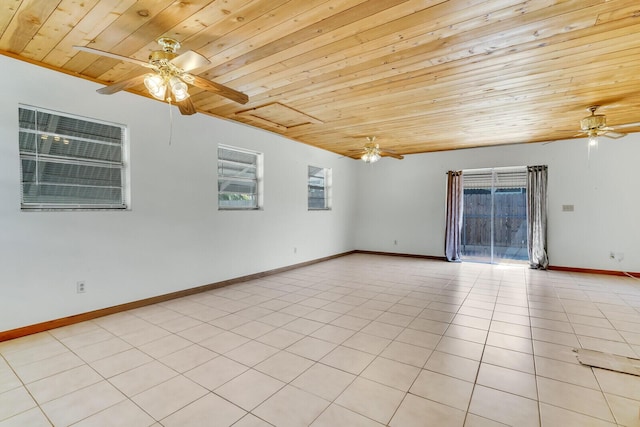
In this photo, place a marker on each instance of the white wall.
(404, 200)
(173, 237)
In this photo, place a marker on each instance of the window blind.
(238, 179)
(317, 186)
(70, 162)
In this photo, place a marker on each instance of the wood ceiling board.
(24, 23)
(422, 75)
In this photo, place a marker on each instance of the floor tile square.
(504, 407)
(455, 366)
(251, 353)
(443, 389)
(103, 349)
(624, 410)
(419, 338)
(224, 342)
(165, 346)
(251, 420)
(324, 381)
(32, 418)
(249, 389)
(209, 410)
(284, 366)
(418, 412)
(389, 372)
(510, 342)
(334, 334)
(348, 359)
(15, 401)
(253, 329)
(574, 398)
(214, 373)
(508, 359)
(120, 414)
(169, 396)
(188, 358)
(406, 353)
(200, 332)
(618, 383)
(291, 407)
(43, 368)
(508, 380)
(311, 348)
(142, 378)
(396, 319)
(551, 416)
(463, 348)
(351, 322)
(280, 338)
(373, 400)
(65, 382)
(82, 403)
(336, 415)
(367, 343)
(121, 362)
(568, 372)
(303, 326)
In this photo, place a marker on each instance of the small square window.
(319, 185)
(239, 178)
(70, 162)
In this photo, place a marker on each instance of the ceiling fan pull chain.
(170, 121)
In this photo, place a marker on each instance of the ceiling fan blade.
(385, 153)
(221, 90)
(186, 107)
(113, 55)
(614, 135)
(190, 61)
(627, 125)
(121, 85)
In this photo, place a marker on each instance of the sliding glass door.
(494, 217)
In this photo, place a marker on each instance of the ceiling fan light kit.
(169, 80)
(371, 151)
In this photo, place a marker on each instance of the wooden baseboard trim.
(82, 317)
(431, 257)
(594, 271)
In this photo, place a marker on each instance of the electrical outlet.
(395, 242)
(80, 287)
(295, 250)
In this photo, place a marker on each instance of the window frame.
(122, 164)
(258, 178)
(327, 188)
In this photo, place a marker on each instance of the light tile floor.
(362, 340)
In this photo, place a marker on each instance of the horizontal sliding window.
(70, 162)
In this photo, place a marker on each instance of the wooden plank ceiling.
(420, 75)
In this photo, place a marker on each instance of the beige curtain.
(537, 216)
(453, 228)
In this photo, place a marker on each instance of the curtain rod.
(498, 169)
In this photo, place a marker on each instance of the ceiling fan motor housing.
(161, 55)
(596, 121)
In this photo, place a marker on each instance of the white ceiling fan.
(169, 77)
(371, 152)
(595, 125)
